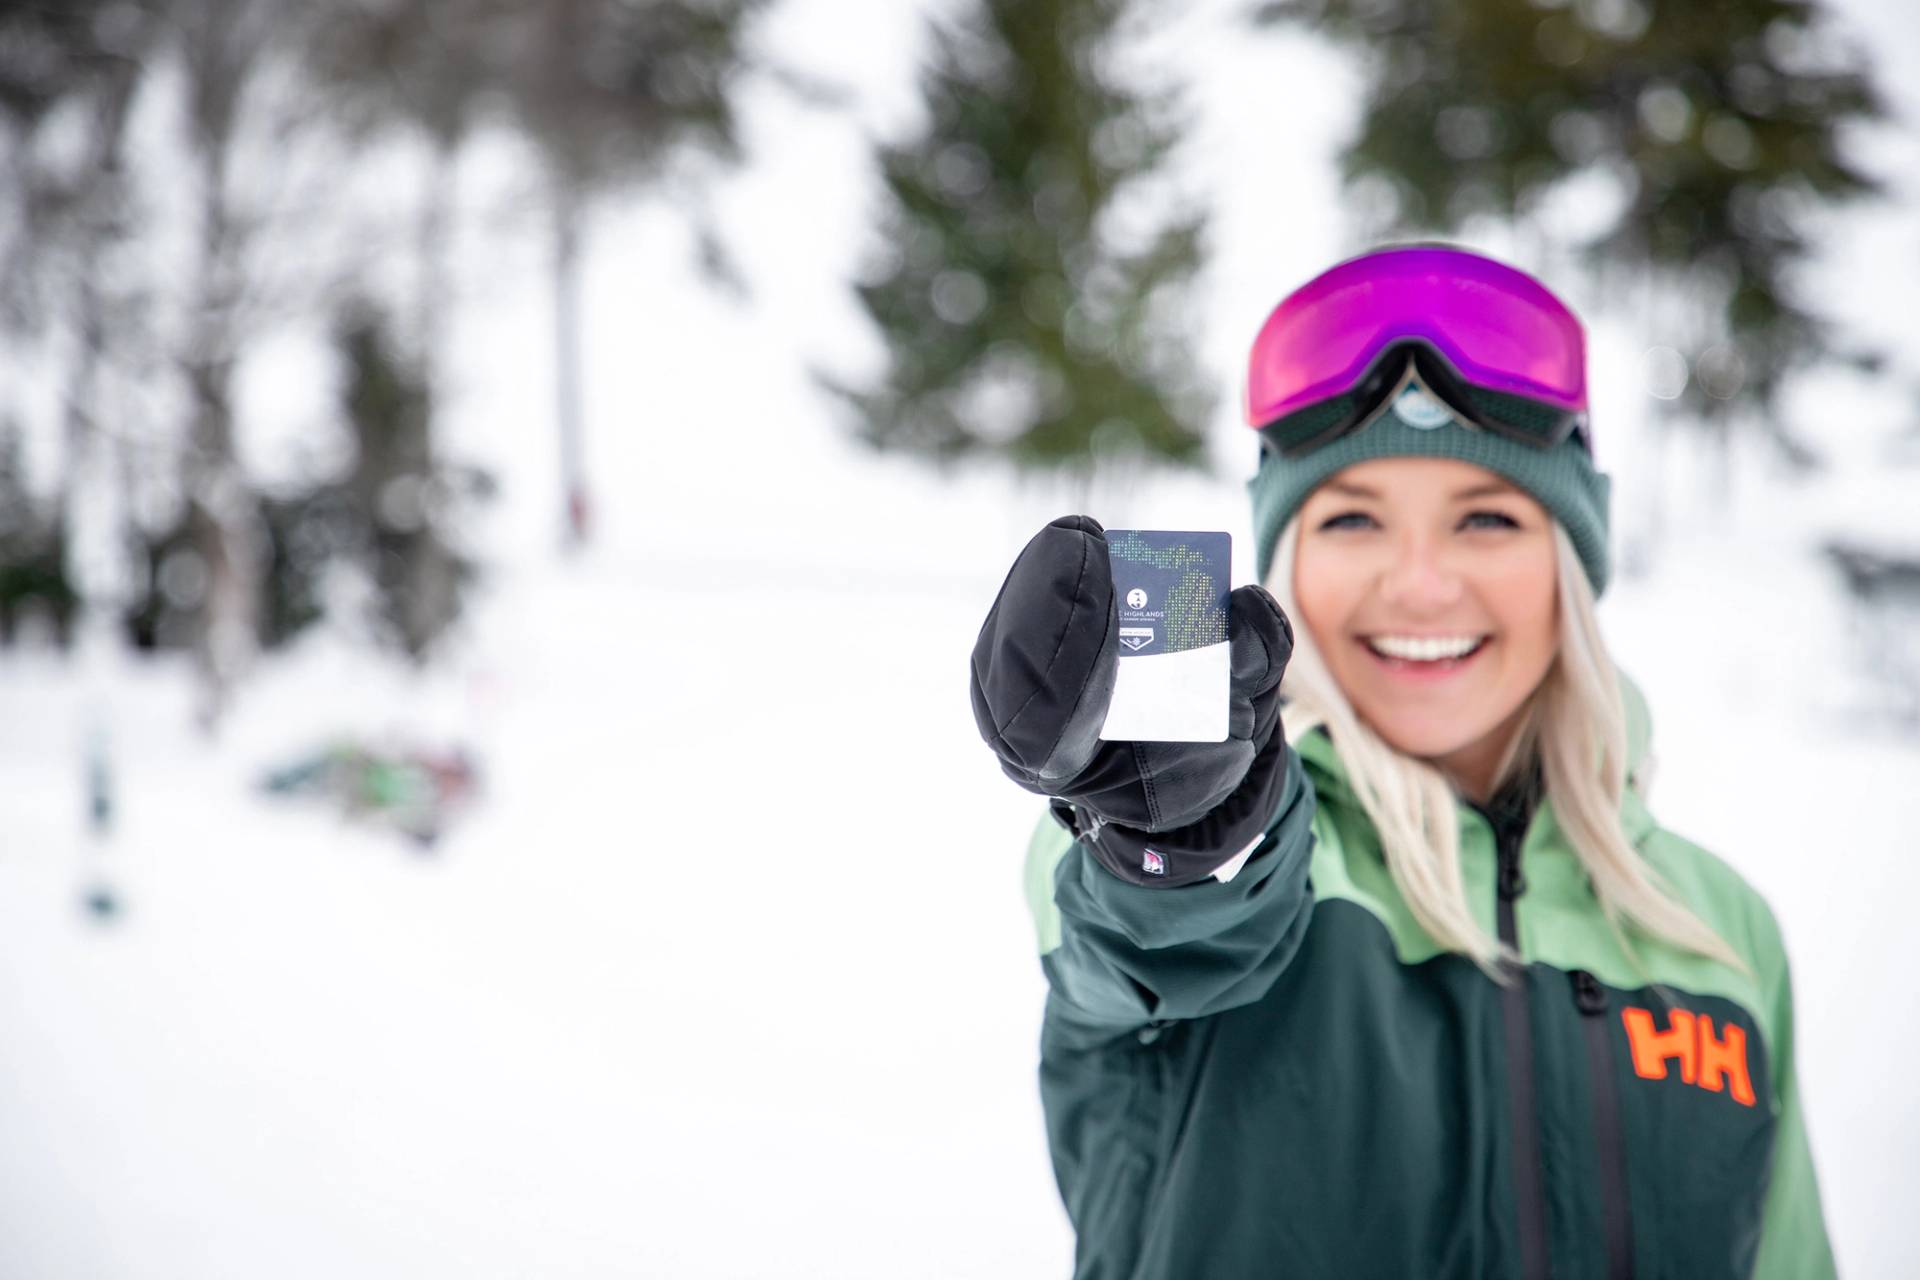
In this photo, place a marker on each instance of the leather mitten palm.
(1159, 813)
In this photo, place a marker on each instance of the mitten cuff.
(1189, 854)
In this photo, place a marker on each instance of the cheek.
(1529, 610)
(1326, 595)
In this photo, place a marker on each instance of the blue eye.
(1342, 520)
(1494, 519)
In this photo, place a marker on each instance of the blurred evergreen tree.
(161, 610)
(391, 515)
(618, 94)
(1031, 279)
(33, 553)
(49, 51)
(402, 497)
(431, 68)
(1721, 124)
(68, 76)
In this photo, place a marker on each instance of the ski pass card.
(1170, 590)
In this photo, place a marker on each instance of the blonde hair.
(1574, 723)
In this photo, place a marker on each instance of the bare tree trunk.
(430, 250)
(1659, 485)
(82, 481)
(222, 522)
(566, 369)
(1719, 435)
(80, 434)
(219, 501)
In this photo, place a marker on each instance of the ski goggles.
(1491, 341)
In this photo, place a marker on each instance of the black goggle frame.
(1531, 422)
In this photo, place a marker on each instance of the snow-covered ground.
(728, 974)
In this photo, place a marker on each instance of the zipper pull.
(1512, 882)
(1588, 995)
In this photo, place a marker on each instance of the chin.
(1426, 739)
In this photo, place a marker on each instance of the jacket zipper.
(1529, 1193)
(1591, 999)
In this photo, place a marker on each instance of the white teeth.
(1424, 648)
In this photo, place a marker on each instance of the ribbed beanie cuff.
(1563, 479)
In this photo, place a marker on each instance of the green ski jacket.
(1283, 1075)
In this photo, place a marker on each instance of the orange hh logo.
(1708, 1062)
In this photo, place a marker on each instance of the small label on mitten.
(1170, 594)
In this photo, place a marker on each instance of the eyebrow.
(1488, 490)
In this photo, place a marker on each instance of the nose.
(1419, 581)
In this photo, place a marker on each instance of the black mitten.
(1159, 813)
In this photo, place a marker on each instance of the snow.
(728, 974)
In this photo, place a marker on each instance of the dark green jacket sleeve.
(1119, 956)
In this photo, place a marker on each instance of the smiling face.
(1429, 585)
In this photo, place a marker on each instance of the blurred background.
(495, 500)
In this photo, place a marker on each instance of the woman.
(1417, 986)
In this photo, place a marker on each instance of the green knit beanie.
(1562, 479)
